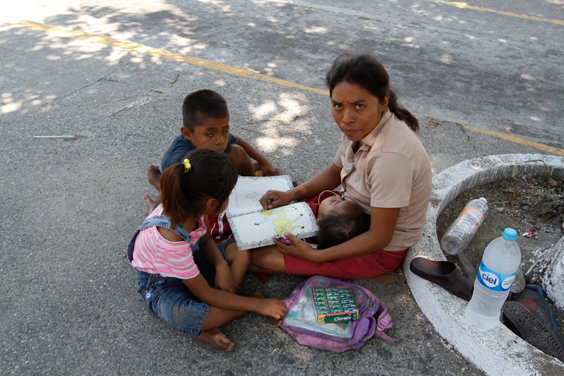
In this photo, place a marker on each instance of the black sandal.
(523, 323)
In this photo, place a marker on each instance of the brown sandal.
(444, 274)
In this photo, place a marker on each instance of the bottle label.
(474, 213)
(493, 280)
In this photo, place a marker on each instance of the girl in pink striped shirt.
(183, 276)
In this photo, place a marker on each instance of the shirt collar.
(198, 232)
(371, 137)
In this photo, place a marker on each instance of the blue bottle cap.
(509, 234)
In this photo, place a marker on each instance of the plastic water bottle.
(460, 233)
(496, 274)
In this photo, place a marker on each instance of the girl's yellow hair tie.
(187, 165)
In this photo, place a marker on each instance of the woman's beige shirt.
(390, 170)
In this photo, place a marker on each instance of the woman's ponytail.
(401, 113)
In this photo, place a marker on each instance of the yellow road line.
(146, 50)
(100, 39)
(466, 6)
(518, 140)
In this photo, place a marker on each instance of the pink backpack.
(301, 323)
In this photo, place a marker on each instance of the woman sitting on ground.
(381, 165)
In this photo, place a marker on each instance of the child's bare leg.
(238, 261)
(217, 339)
(242, 160)
(151, 205)
(210, 332)
(267, 260)
(154, 176)
(219, 316)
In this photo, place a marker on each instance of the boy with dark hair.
(205, 125)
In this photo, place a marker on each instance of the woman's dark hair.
(337, 228)
(367, 72)
(212, 174)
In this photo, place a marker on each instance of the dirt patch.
(533, 206)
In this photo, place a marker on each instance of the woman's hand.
(299, 248)
(330, 178)
(275, 199)
(224, 279)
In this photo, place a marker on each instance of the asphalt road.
(114, 75)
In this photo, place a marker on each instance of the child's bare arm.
(224, 279)
(274, 308)
(210, 251)
(266, 167)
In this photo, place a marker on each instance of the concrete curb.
(498, 351)
(553, 282)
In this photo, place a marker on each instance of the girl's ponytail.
(175, 204)
(185, 187)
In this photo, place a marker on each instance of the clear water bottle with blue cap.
(500, 262)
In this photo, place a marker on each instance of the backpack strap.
(384, 322)
(160, 221)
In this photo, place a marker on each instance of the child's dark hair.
(367, 72)
(211, 174)
(337, 228)
(201, 105)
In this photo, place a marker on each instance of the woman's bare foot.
(151, 205)
(217, 339)
(154, 176)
